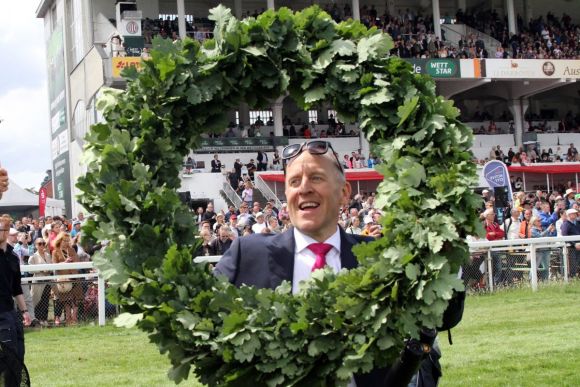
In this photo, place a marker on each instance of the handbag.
(63, 285)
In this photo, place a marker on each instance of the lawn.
(509, 338)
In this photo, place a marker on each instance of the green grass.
(509, 338)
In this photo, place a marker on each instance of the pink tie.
(320, 249)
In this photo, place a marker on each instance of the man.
(570, 198)
(222, 243)
(262, 159)
(315, 190)
(493, 233)
(238, 168)
(546, 217)
(4, 182)
(511, 226)
(216, 164)
(572, 227)
(260, 223)
(11, 334)
(76, 228)
(209, 214)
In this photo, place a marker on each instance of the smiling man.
(316, 188)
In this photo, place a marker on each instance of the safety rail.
(502, 260)
(232, 195)
(266, 190)
(92, 275)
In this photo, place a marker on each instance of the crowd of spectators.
(47, 240)
(546, 37)
(532, 155)
(534, 215)
(218, 228)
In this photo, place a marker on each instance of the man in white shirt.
(512, 225)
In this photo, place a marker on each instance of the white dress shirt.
(304, 259)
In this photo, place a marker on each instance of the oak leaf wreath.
(341, 324)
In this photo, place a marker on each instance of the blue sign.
(496, 174)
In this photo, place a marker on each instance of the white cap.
(485, 191)
(571, 211)
(569, 191)
(13, 231)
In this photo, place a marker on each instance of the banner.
(58, 117)
(496, 174)
(437, 68)
(42, 201)
(239, 144)
(120, 62)
(531, 68)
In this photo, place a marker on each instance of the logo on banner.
(548, 68)
(42, 201)
(132, 27)
(496, 174)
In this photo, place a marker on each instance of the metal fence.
(57, 299)
(504, 263)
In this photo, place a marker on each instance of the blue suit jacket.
(265, 260)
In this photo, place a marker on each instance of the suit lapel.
(281, 258)
(347, 258)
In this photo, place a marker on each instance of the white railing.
(530, 246)
(266, 191)
(232, 195)
(56, 267)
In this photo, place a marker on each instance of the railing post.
(565, 261)
(489, 270)
(101, 299)
(534, 267)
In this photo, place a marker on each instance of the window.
(313, 116)
(77, 49)
(333, 112)
(265, 116)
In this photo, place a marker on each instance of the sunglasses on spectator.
(314, 147)
(41, 243)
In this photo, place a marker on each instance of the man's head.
(210, 207)
(260, 217)
(489, 215)
(545, 207)
(315, 190)
(572, 214)
(224, 233)
(206, 225)
(81, 216)
(515, 213)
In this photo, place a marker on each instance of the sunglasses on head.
(314, 147)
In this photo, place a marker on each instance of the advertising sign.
(531, 68)
(42, 201)
(120, 62)
(238, 144)
(496, 174)
(437, 68)
(59, 119)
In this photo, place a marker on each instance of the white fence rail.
(93, 275)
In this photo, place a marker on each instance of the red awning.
(358, 175)
(547, 168)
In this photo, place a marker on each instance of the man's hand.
(375, 231)
(26, 317)
(3, 181)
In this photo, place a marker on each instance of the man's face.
(4, 230)
(545, 207)
(224, 235)
(256, 207)
(572, 217)
(315, 192)
(210, 207)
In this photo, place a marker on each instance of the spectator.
(67, 294)
(260, 223)
(41, 288)
(262, 159)
(571, 227)
(354, 226)
(210, 214)
(542, 254)
(248, 193)
(216, 164)
(222, 243)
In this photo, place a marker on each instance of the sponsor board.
(531, 68)
(121, 62)
(437, 68)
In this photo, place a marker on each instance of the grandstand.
(510, 66)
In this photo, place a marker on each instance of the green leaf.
(405, 111)
(314, 95)
(128, 320)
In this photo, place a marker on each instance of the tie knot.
(320, 249)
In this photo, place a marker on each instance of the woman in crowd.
(248, 193)
(354, 227)
(68, 296)
(40, 288)
(273, 225)
(204, 249)
(542, 254)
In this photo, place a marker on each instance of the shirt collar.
(302, 240)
